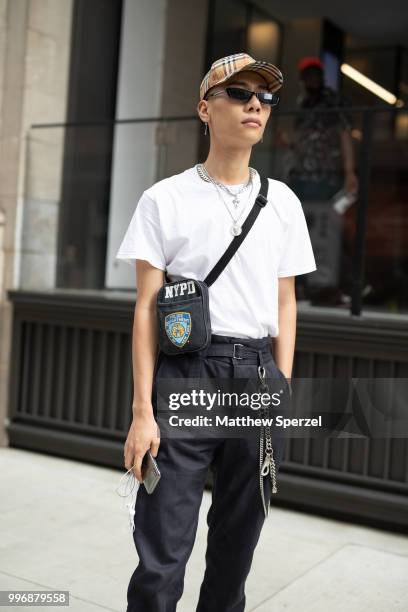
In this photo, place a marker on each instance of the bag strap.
(260, 202)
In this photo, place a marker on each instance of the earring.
(205, 130)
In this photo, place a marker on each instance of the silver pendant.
(236, 229)
(235, 202)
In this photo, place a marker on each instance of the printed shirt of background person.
(317, 146)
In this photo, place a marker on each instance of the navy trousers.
(166, 520)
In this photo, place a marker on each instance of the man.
(323, 148)
(323, 166)
(183, 224)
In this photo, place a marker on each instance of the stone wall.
(34, 64)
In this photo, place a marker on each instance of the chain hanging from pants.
(266, 458)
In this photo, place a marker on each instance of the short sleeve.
(297, 255)
(143, 239)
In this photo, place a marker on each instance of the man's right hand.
(143, 435)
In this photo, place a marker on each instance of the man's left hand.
(351, 183)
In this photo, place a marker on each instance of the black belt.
(237, 350)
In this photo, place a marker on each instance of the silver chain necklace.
(203, 172)
(236, 228)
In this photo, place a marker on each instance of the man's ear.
(202, 110)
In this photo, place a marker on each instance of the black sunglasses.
(244, 95)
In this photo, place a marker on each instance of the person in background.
(323, 165)
(323, 148)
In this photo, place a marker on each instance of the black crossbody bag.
(182, 306)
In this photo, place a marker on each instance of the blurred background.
(97, 102)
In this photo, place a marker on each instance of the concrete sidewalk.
(64, 527)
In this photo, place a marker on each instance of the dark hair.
(311, 70)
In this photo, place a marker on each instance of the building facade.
(97, 102)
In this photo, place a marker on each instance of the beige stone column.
(34, 68)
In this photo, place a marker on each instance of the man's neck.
(228, 167)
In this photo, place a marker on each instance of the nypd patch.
(178, 327)
(179, 289)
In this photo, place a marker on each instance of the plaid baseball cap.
(222, 69)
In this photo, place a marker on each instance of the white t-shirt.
(180, 224)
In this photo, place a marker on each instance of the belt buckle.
(234, 356)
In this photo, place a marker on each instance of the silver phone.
(150, 472)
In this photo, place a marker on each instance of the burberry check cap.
(222, 69)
